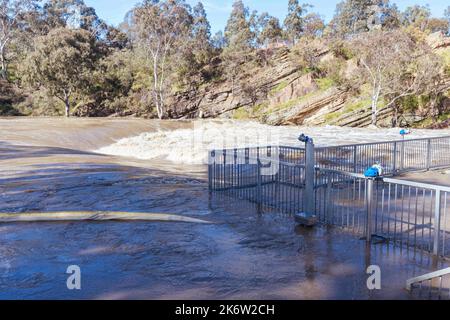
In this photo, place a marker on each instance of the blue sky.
(218, 11)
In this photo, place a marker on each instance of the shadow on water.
(51, 179)
(9, 151)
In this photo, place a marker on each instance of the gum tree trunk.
(67, 109)
(375, 98)
(66, 104)
(3, 66)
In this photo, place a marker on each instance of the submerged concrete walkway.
(439, 177)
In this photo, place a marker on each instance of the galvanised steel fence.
(431, 285)
(411, 213)
(276, 177)
(394, 156)
(257, 175)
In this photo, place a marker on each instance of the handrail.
(255, 147)
(426, 277)
(391, 180)
(418, 184)
(360, 195)
(383, 142)
(280, 162)
(346, 173)
(336, 146)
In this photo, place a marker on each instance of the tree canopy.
(61, 63)
(61, 53)
(294, 23)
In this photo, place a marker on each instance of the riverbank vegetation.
(58, 57)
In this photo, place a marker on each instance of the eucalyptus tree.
(357, 16)
(238, 31)
(62, 63)
(417, 16)
(314, 25)
(160, 28)
(294, 23)
(447, 17)
(201, 34)
(72, 14)
(395, 67)
(240, 41)
(11, 16)
(270, 30)
(218, 41)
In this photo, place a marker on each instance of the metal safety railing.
(433, 281)
(411, 213)
(415, 214)
(394, 156)
(257, 175)
(316, 181)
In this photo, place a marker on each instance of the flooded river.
(52, 164)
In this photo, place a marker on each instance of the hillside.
(280, 90)
(283, 92)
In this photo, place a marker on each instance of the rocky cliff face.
(282, 92)
(220, 99)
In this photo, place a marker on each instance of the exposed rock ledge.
(289, 96)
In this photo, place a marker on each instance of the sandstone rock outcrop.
(284, 94)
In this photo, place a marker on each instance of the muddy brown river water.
(47, 165)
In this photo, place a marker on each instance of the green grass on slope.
(349, 108)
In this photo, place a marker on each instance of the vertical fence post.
(210, 157)
(394, 165)
(355, 153)
(308, 195)
(370, 195)
(235, 171)
(428, 154)
(328, 193)
(258, 178)
(259, 188)
(224, 182)
(437, 222)
(402, 155)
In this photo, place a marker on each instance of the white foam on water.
(190, 145)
